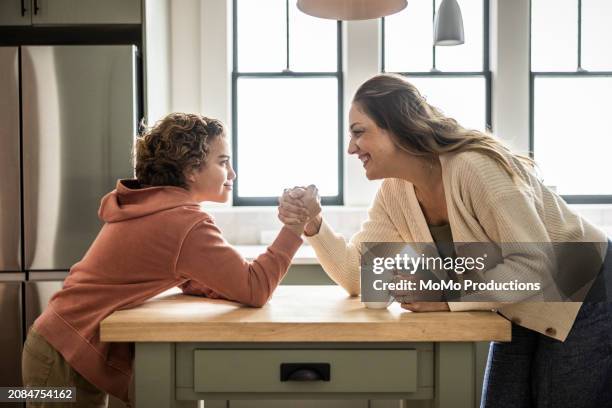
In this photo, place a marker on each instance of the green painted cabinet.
(299, 370)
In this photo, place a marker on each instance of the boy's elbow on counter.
(259, 300)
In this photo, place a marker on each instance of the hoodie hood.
(131, 200)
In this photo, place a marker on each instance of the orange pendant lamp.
(351, 9)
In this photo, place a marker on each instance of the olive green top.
(443, 238)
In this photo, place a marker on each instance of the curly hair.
(177, 143)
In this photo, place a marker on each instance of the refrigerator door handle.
(31, 80)
(36, 8)
(10, 190)
(23, 8)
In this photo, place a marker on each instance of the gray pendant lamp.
(448, 27)
(351, 9)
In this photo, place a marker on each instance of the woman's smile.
(365, 159)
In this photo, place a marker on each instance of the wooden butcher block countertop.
(294, 314)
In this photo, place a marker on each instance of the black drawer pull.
(304, 372)
(23, 8)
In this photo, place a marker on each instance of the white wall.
(157, 61)
(509, 64)
(200, 39)
(362, 53)
(185, 47)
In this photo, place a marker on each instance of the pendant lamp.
(448, 27)
(351, 9)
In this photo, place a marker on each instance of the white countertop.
(304, 256)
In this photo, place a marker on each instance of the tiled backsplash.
(258, 225)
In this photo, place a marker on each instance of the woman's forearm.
(313, 226)
(339, 259)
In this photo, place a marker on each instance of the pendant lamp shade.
(351, 9)
(448, 27)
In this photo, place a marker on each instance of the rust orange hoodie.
(153, 239)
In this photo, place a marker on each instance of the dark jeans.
(534, 370)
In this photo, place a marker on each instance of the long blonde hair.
(421, 129)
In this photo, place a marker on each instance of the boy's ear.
(190, 176)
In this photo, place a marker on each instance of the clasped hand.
(301, 206)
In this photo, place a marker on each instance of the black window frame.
(579, 73)
(435, 73)
(338, 199)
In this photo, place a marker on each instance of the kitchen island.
(310, 342)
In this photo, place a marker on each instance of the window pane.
(290, 137)
(262, 35)
(554, 35)
(596, 35)
(463, 99)
(572, 133)
(467, 56)
(312, 42)
(409, 38)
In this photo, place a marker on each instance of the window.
(286, 102)
(455, 79)
(571, 96)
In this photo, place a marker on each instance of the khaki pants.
(43, 366)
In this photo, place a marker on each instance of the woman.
(444, 183)
(155, 237)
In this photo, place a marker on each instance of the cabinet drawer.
(260, 370)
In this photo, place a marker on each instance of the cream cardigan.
(484, 205)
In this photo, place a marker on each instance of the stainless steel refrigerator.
(68, 117)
